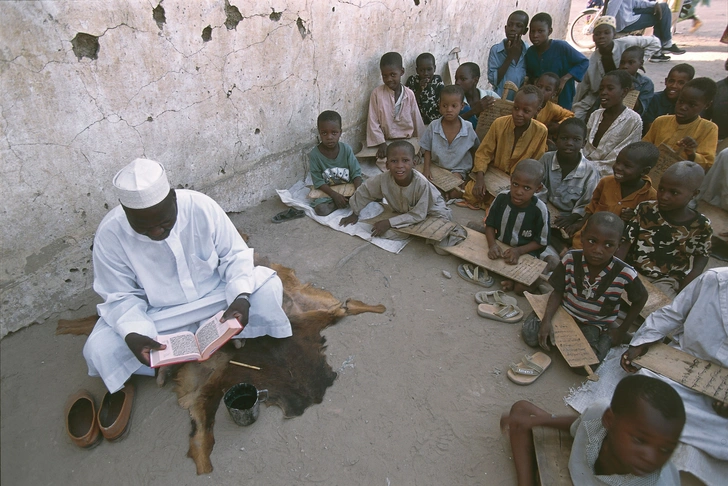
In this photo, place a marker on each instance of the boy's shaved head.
(683, 68)
(605, 220)
(520, 13)
(530, 89)
(705, 85)
(657, 393)
(391, 59)
(453, 89)
(689, 173)
(401, 144)
(555, 77)
(471, 68)
(573, 122)
(644, 153)
(329, 116)
(533, 169)
(425, 56)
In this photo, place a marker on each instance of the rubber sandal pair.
(475, 274)
(508, 313)
(289, 214)
(529, 369)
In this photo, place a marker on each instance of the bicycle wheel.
(581, 31)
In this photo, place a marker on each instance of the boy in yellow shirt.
(685, 132)
(510, 139)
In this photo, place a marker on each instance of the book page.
(181, 346)
(209, 332)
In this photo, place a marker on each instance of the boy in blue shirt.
(507, 59)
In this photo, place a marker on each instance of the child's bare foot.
(324, 209)
(477, 226)
(507, 285)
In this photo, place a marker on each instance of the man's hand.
(239, 310)
(632, 353)
(721, 408)
(511, 255)
(545, 332)
(351, 219)
(381, 227)
(141, 346)
(382, 151)
(339, 200)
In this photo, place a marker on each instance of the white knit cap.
(141, 184)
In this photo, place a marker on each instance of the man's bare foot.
(238, 343)
(324, 209)
(507, 285)
(721, 408)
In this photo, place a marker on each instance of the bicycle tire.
(578, 29)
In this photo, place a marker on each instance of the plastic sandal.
(475, 274)
(289, 214)
(495, 297)
(501, 312)
(529, 369)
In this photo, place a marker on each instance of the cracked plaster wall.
(233, 116)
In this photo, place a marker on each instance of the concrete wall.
(87, 86)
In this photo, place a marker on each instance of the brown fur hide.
(294, 370)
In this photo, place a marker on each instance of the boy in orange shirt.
(622, 192)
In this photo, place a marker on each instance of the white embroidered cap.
(141, 184)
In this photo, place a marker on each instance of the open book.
(185, 346)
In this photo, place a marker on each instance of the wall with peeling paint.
(226, 96)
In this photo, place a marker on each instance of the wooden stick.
(590, 374)
(244, 365)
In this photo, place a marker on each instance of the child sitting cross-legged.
(393, 111)
(666, 241)
(622, 192)
(426, 85)
(663, 103)
(551, 114)
(510, 139)
(519, 219)
(450, 142)
(588, 284)
(570, 179)
(686, 132)
(627, 441)
(332, 163)
(407, 191)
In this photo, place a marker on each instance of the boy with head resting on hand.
(519, 219)
(666, 241)
(622, 192)
(663, 103)
(332, 163)
(632, 61)
(426, 85)
(570, 179)
(477, 100)
(393, 111)
(507, 59)
(626, 442)
(407, 191)
(450, 142)
(686, 132)
(551, 114)
(588, 284)
(510, 139)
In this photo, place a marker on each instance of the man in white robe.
(164, 260)
(698, 321)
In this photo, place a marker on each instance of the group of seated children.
(614, 227)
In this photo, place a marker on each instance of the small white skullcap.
(141, 184)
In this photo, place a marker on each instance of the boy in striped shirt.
(588, 283)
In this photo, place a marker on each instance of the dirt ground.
(417, 400)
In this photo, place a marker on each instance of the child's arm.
(519, 423)
(426, 169)
(513, 50)
(699, 264)
(494, 250)
(375, 134)
(512, 254)
(370, 191)
(638, 295)
(701, 151)
(545, 331)
(578, 63)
